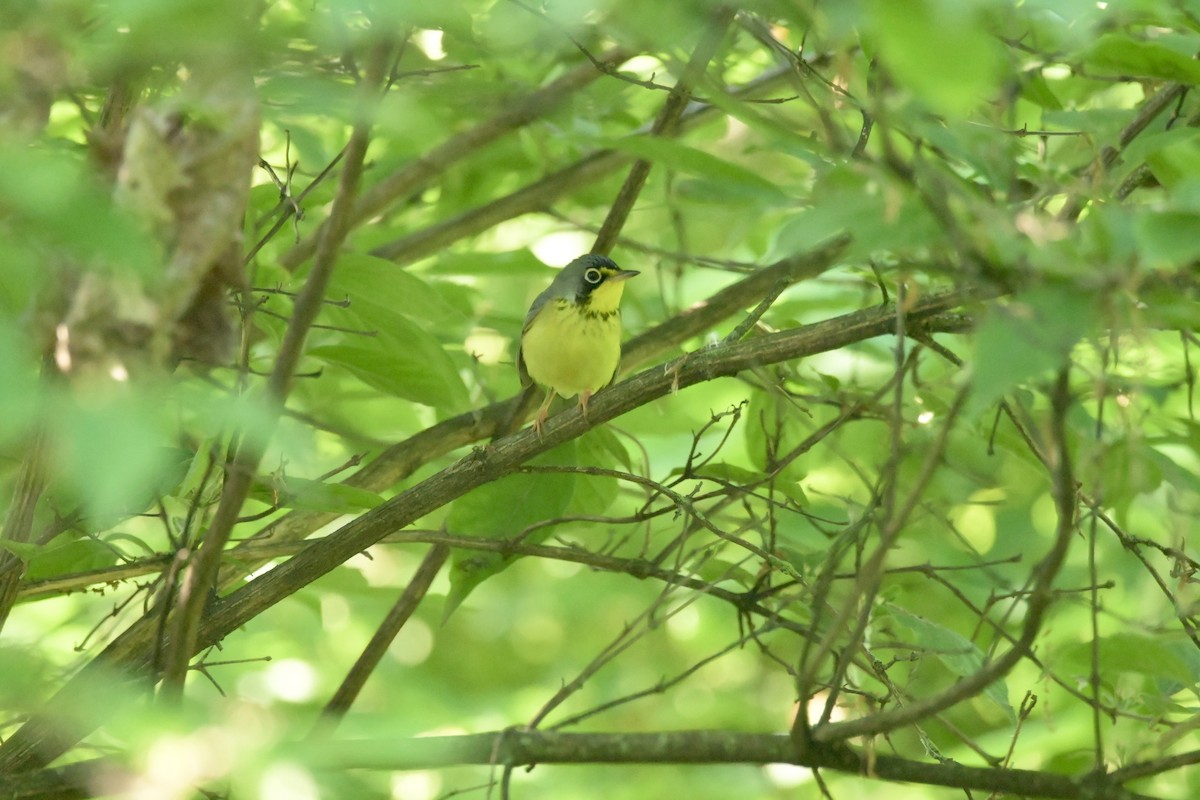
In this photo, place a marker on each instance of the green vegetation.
(895, 493)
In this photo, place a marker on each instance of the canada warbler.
(571, 342)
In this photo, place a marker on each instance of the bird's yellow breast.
(575, 349)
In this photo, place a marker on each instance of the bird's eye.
(592, 276)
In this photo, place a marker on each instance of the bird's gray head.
(578, 279)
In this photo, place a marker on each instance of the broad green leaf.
(1121, 54)
(510, 264)
(958, 653)
(370, 282)
(1168, 239)
(336, 498)
(594, 494)
(1130, 652)
(80, 555)
(1037, 90)
(111, 452)
(940, 49)
(1173, 155)
(504, 509)
(1025, 340)
(726, 176)
(878, 217)
(409, 363)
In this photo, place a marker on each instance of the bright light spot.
(416, 785)
(976, 521)
(684, 624)
(786, 776)
(1124, 400)
(288, 782)
(335, 612)
(559, 569)
(175, 765)
(1056, 72)
(413, 644)
(62, 348)
(291, 679)
(263, 570)
(430, 43)
(119, 373)
(816, 707)
(542, 636)
(487, 345)
(644, 67)
(561, 247)
(925, 417)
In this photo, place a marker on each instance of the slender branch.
(665, 124)
(18, 525)
(416, 173)
(1038, 603)
(202, 573)
(516, 748)
(373, 653)
(541, 193)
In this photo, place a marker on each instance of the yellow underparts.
(573, 349)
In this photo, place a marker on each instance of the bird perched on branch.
(571, 342)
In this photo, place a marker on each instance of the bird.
(571, 340)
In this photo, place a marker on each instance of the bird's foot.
(584, 396)
(544, 411)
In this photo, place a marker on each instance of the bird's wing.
(539, 303)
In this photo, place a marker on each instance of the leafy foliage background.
(900, 486)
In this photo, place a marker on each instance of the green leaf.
(940, 49)
(958, 653)
(80, 555)
(335, 498)
(594, 494)
(372, 283)
(877, 217)
(1026, 339)
(112, 452)
(509, 264)
(408, 363)
(1121, 54)
(1036, 89)
(1168, 238)
(504, 509)
(1173, 155)
(732, 179)
(1130, 652)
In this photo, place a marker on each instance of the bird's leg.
(584, 396)
(540, 419)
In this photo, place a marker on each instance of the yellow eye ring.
(593, 276)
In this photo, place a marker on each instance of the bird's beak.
(624, 275)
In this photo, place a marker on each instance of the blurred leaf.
(1169, 239)
(956, 652)
(406, 362)
(80, 555)
(334, 498)
(940, 49)
(1122, 54)
(503, 509)
(734, 180)
(373, 283)
(594, 494)
(1025, 340)
(877, 217)
(111, 452)
(1130, 652)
